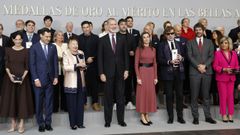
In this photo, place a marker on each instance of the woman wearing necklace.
(225, 63)
(17, 101)
(74, 83)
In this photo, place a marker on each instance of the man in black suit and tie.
(131, 30)
(48, 24)
(233, 34)
(30, 37)
(88, 43)
(200, 52)
(113, 70)
(171, 57)
(69, 32)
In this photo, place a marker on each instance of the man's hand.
(37, 83)
(125, 75)
(131, 53)
(90, 60)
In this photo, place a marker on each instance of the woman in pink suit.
(146, 71)
(225, 61)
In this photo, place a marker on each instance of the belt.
(145, 64)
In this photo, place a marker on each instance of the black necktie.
(172, 46)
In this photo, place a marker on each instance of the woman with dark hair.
(216, 36)
(146, 71)
(104, 29)
(17, 101)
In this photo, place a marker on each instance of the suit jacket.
(196, 57)
(233, 33)
(66, 37)
(89, 45)
(70, 73)
(136, 35)
(110, 63)
(41, 68)
(155, 41)
(2, 61)
(5, 41)
(220, 62)
(52, 34)
(35, 39)
(164, 56)
(208, 34)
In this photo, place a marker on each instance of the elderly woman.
(59, 89)
(74, 83)
(225, 62)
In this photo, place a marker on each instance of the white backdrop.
(219, 12)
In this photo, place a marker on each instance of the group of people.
(50, 69)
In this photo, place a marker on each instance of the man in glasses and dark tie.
(171, 58)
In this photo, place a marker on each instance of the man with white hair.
(233, 34)
(69, 32)
(207, 33)
(221, 29)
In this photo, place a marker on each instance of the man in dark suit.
(43, 63)
(233, 34)
(171, 57)
(200, 54)
(4, 42)
(113, 70)
(130, 83)
(88, 43)
(206, 33)
(29, 37)
(131, 30)
(19, 28)
(48, 24)
(69, 32)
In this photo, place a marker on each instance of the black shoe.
(41, 129)
(231, 121)
(123, 124)
(181, 120)
(81, 126)
(225, 121)
(195, 121)
(74, 128)
(150, 122)
(145, 124)
(170, 121)
(210, 120)
(48, 128)
(107, 125)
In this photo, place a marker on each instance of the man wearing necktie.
(29, 36)
(200, 53)
(171, 58)
(69, 32)
(113, 70)
(43, 65)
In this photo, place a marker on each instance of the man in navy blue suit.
(44, 70)
(29, 36)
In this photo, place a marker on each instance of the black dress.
(17, 101)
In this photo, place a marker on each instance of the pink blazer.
(220, 62)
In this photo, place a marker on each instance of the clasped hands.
(201, 68)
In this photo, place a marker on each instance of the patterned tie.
(113, 43)
(29, 38)
(45, 51)
(200, 44)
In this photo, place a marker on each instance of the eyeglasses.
(170, 33)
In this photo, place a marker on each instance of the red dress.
(146, 95)
(189, 35)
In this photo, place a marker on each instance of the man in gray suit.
(200, 54)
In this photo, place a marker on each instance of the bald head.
(221, 29)
(69, 26)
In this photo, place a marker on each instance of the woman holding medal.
(225, 63)
(74, 83)
(17, 101)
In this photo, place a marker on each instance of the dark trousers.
(200, 83)
(59, 96)
(75, 106)
(177, 85)
(44, 98)
(130, 83)
(92, 83)
(114, 89)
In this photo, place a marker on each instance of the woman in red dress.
(146, 71)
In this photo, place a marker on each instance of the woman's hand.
(139, 81)
(11, 76)
(155, 81)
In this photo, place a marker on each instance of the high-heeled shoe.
(231, 121)
(225, 121)
(145, 124)
(12, 129)
(150, 122)
(21, 130)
